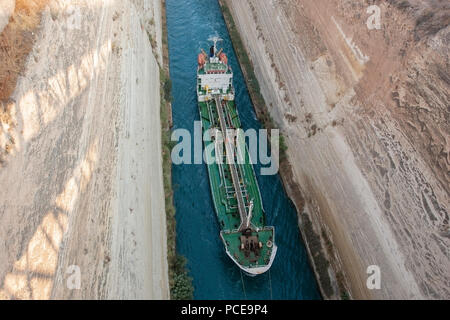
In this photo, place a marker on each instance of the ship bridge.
(214, 75)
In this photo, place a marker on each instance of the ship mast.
(215, 40)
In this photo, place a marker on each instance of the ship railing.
(243, 187)
(210, 112)
(231, 196)
(230, 191)
(234, 173)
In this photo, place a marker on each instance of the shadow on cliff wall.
(30, 259)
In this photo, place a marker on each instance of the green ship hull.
(234, 188)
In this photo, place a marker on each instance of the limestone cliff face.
(81, 176)
(365, 113)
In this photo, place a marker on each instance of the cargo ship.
(234, 188)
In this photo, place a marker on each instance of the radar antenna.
(215, 40)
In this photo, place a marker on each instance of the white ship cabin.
(214, 76)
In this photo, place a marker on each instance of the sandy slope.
(373, 172)
(83, 184)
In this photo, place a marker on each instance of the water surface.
(190, 23)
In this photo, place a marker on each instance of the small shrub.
(283, 148)
(168, 90)
(182, 284)
(16, 42)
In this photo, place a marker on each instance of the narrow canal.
(190, 23)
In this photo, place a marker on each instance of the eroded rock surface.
(366, 116)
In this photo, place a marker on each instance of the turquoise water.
(190, 23)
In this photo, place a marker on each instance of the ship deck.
(220, 175)
(223, 190)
